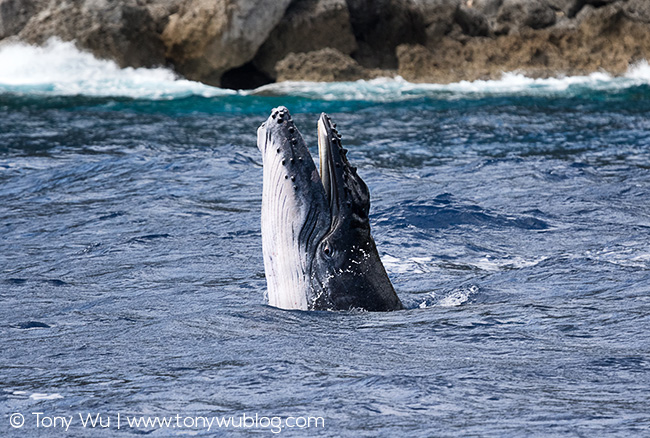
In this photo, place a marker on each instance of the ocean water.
(513, 217)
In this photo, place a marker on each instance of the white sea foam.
(453, 298)
(458, 297)
(506, 263)
(36, 395)
(396, 89)
(634, 256)
(42, 396)
(423, 265)
(59, 68)
(413, 265)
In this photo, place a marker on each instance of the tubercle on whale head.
(281, 143)
(268, 131)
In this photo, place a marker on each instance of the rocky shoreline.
(247, 43)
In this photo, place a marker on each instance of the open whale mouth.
(316, 242)
(342, 188)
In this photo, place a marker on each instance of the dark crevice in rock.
(245, 77)
(307, 26)
(379, 26)
(579, 4)
(472, 22)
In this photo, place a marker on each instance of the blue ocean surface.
(512, 216)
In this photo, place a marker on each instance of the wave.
(398, 89)
(59, 69)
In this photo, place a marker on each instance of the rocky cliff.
(246, 43)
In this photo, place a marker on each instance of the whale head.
(318, 250)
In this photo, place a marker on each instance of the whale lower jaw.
(283, 262)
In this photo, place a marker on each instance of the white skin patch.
(283, 215)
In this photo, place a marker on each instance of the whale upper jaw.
(318, 250)
(348, 195)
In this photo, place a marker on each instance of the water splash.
(452, 298)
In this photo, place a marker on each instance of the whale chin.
(318, 250)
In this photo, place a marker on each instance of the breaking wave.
(60, 69)
(397, 89)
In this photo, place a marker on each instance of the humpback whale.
(318, 250)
